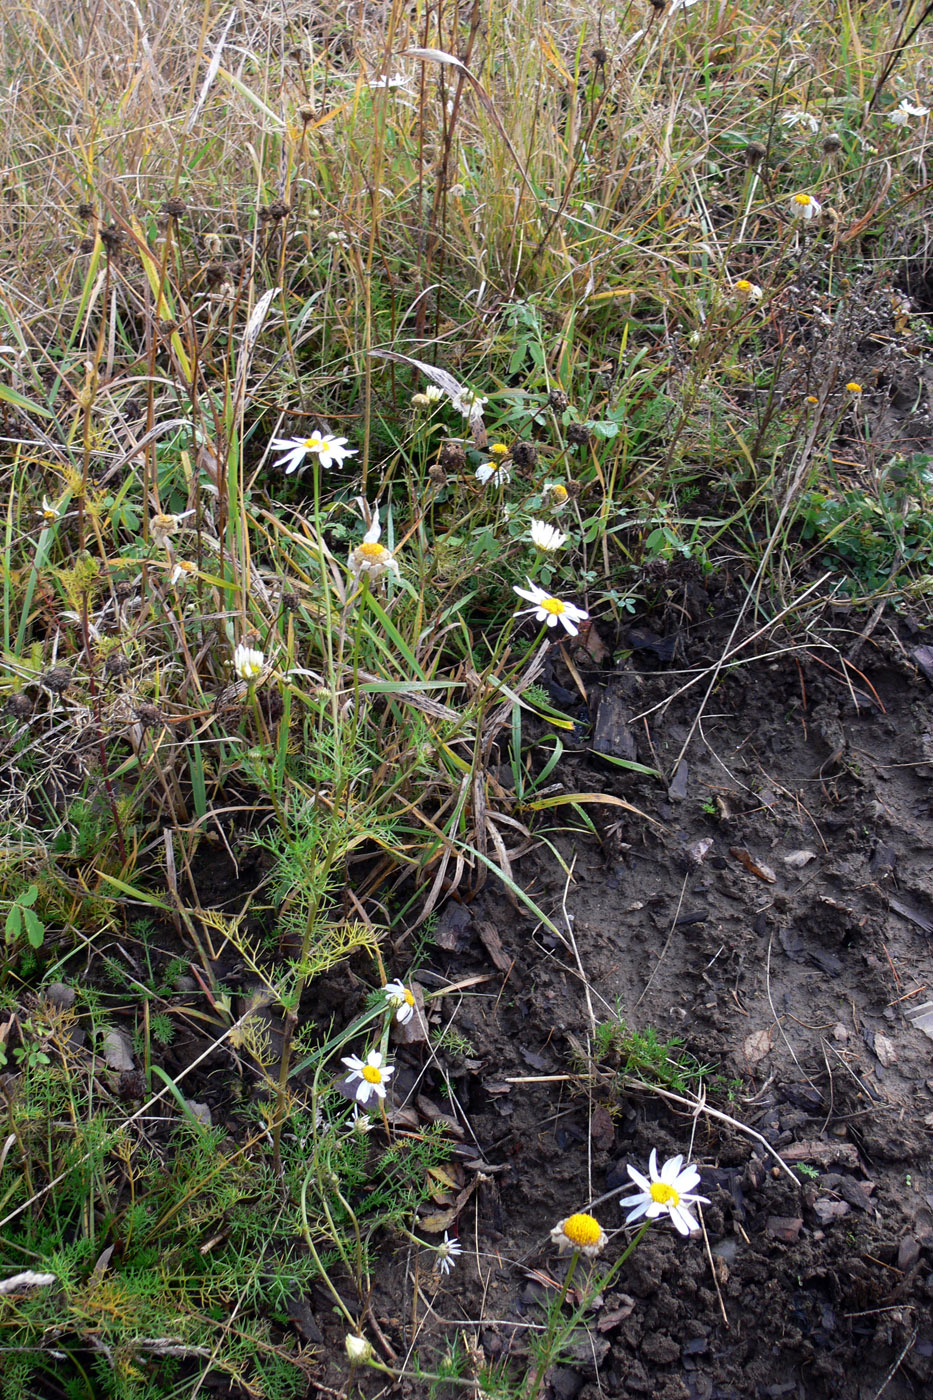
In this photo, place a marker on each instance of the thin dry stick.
(667, 944)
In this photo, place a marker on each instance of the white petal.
(653, 1165)
(670, 1169)
(636, 1214)
(639, 1180)
(684, 1221)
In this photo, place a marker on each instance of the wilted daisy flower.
(183, 569)
(396, 83)
(163, 527)
(682, 5)
(468, 403)
(905, 111)
(491, 475)
(551, 610)
(748, 291)
(49, 511)
(327, 448)
(804, 206)
(448, 1253)
(557, 495)
(854, 388)
(358, 1122)
(800, 118)
(665, 1192)
(546, 537)
(372, 1074)
(248, 662)
(498, 451)
(371, 559)
(434, 394)
(401, 1001)
(579, 1232)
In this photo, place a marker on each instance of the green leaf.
(25, 901)
(14, 923)
(35, 928)
(630, 764)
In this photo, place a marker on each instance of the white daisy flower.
(748, 291)
(448, 1254)
(546, 537)
(580, 1232)
(163, 527)
(804, 206)
(183, 569)
(371, 559)
(50, 511)
(800, 118)
(358, 1349)
(665, 1192)
(551, 610)
(468, 403)
(372, 1074)
(400, 1000)
(905, 111)
(557, 495)
(358, 1122)
(248, 662)
(491, 475)
(433, 394)
(327, 448)
(398, 82)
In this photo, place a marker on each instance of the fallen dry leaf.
(761, 872)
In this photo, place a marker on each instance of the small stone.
(185, 984)
(60, 995)
(785, 1228)
(200, 1111)
(908, 1253)
(117, 1051)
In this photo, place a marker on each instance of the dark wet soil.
(776, 916)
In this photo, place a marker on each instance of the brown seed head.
(85, 211)
(574, 489)
(755, 152)
(524, 454)
(112, 238)
(578, 434)
(831, 144)
(437, 476)
(558, 400)
(452, 457)
(57, 680)
(19, 705)
(117, 664)
(174, 208)
(600, 57)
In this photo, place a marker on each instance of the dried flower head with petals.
(401, 1000)
(557, 496)
(579, 1232)
(854, 388)
(372, 1074)
(324, 446)
(551, 610)
(798, 117)
(358, 1350)
(748, 291)
(906, 112)
(370, 560)
(163, 527)
(666, 1192)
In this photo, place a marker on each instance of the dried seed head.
(452, 457)
(117, 664)
(524, 454)
(437, 476)
(578, 434)
(600, 57)
(174, 208)
(86, 245)
(754, 153)
(215, 274)
(57, 680)
(290, 602)
(658, 5)
(558, 400)
(150, 716)
(112, 238)
(85, 211)
(831, 144)
(306, 113)
(19, 705)
(574, 489)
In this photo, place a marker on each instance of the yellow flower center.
(555, 606)
(314, 443)
(559, 493)
(742, 285)
(854, 388)
(803, 199)
(663, 1194)
(811, 398)
(409, 999)
(582, 1230)
(499, 449)
(372, 553)
(372, 1074)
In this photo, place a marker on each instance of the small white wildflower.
(433, 393)
(491, 475)
(398, 82)
(546, 537)
(804, 206)
(905, 111)
(468, 403)
(358, 1122)
(183, 569)
(50, 511)
(372, 1074)
(551, 610)
(371, 559)
(448, 1254)
(800, 118)
(580, 1232)
(163, 527)
(327, 448)
(665, 1192)
(748, 291)
(400, 1000)
(682, 5)
(248, 662)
